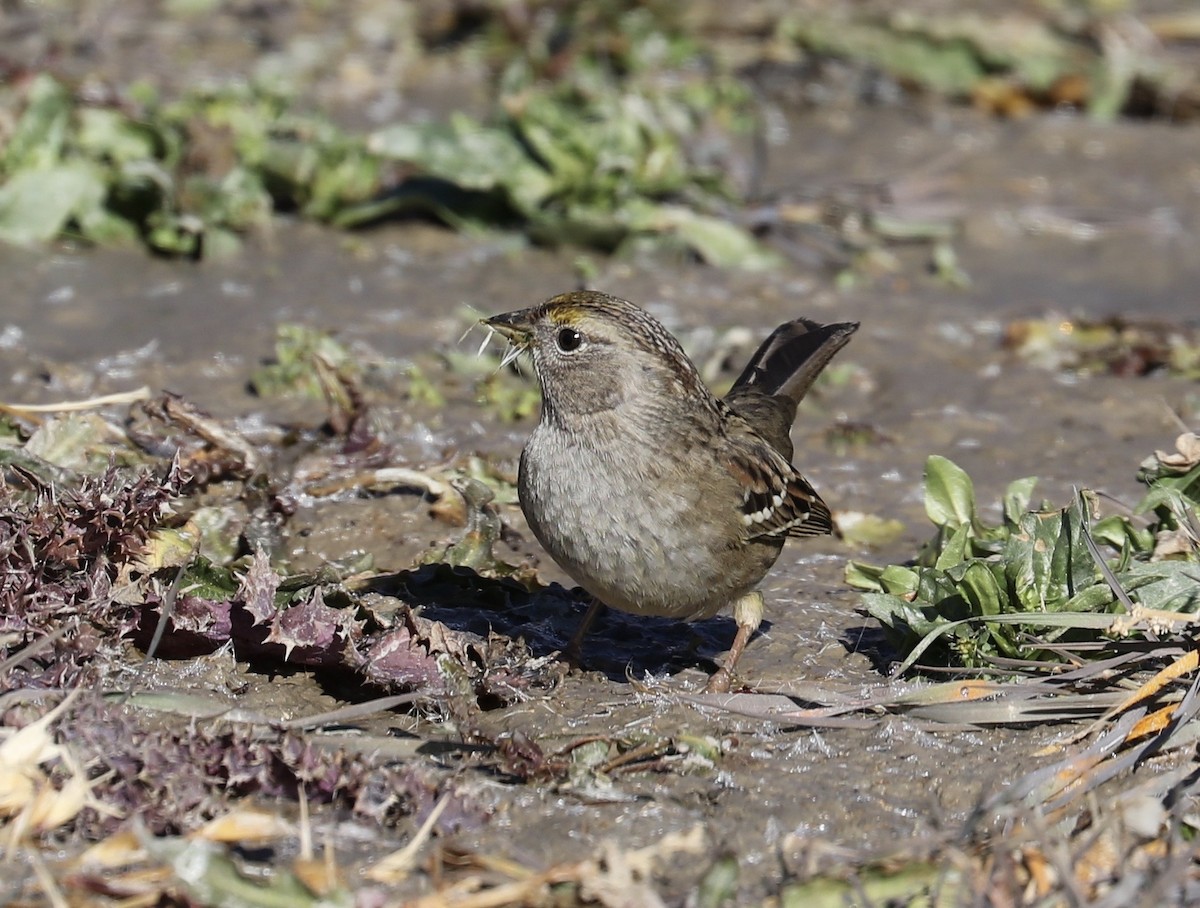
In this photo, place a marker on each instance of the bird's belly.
(636, 540)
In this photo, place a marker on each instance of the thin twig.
(72, 406)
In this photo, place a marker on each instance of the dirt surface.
(1060, 215)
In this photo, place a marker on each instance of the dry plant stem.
(748, 613)
(306, 838)
(385, 476)
(186, 414)
(397, 865)
(637, 755)
(54, 895)
(72, 406)
(168, 605)
(533, 888)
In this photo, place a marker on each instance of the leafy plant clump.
(610, 153)
(182, 178)
(1015, 62)
(61, 552)
(590, 158)
(1035, 589)
(1115, 345)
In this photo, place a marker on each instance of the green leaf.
(37, 205)
(956, 550)
(899, 580)
(981, 589)
(949, 493)
(1167, 585)
(916, 883)
(602, 165)
(1074, 568)
(1172, 492)
(900, 618)
(982, 592)
(238, 202)
(986, 596)
(209, 581)
(869, 529)
(1120, 533)
(940, 589)
(105, 228)
(949, 67)
(72, 440)
(1016, 499)
(715, 240)
(300, 353)
(1046, 558)
(173, 234)
(1028, 557)
(37, 141)
(1064, 620)
(111, 135)
(864, 576)
(471, 156)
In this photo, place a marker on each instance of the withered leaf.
(319, 632)
(258, 587)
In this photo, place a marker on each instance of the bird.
(653, 494)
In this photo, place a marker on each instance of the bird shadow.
(619, 645)
(622, 645)
(871, 642)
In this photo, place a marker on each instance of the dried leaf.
(258, 588)
(246, 825)
(323, 635)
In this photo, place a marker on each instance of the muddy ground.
(1059, 215)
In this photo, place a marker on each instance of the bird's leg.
(748, 613)
(574, 651)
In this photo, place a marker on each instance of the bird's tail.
(789, 361)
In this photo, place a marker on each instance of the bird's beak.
(516, 327)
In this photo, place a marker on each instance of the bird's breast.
(644, 531)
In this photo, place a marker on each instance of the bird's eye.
(569, 340)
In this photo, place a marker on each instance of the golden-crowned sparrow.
(655, 496)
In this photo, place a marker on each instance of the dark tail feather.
(789, 361)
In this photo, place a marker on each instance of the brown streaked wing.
(777, 500)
